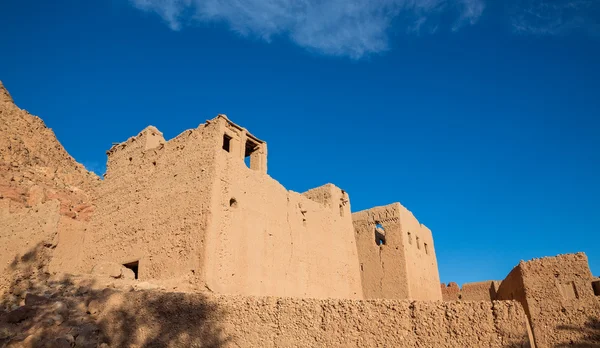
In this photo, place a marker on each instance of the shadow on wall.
(39, 310)
(590, 333)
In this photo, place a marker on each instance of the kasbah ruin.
(182, 244)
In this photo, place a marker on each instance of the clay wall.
(396, 254)
(450, 292)
(478, 291)
(558, 297)
(232, 321)
(266, 240)
(154, 205)
(192, 207)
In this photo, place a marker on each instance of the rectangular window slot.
(409, 238)
(596, 287)
(379, 234)
(426, 249)
(226, 142)
(250, 148)
(418, 244)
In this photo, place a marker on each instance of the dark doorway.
(134, 266)
(596, 287)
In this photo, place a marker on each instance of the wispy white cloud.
(171, 11)
(357, 28)
(556, 17)
(352, 28)
(470, 11)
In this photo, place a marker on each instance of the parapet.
(330, 196)
(149, 138)
(242, 144)
(390, 214)
(231, 138)
(478, 291)
(378, 215)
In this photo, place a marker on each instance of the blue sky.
(480, 116)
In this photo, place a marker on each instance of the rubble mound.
(35, 168)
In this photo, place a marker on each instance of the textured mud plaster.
(154, 205)
(266, 240)
(450, 292)
(558, 298)
(191, 207)
(235, 321)
(405, 265)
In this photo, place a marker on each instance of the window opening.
(250, 148)
(233, 203)
(226, 142)
(409, 238)
(418, 244)
(596, 287)
(426, 249)
(379, 234)
(134, 266)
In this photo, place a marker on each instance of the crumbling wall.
(478, 291)
(396, 253)
(558, 298)
(450, 292)
(155, 204)
(285, 322)
(266, 240)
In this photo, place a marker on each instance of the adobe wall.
(154, 205)
(450, 291)
(405, 266)
(233, 321)
(558, 297)
(478, 291)
(266, 240)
